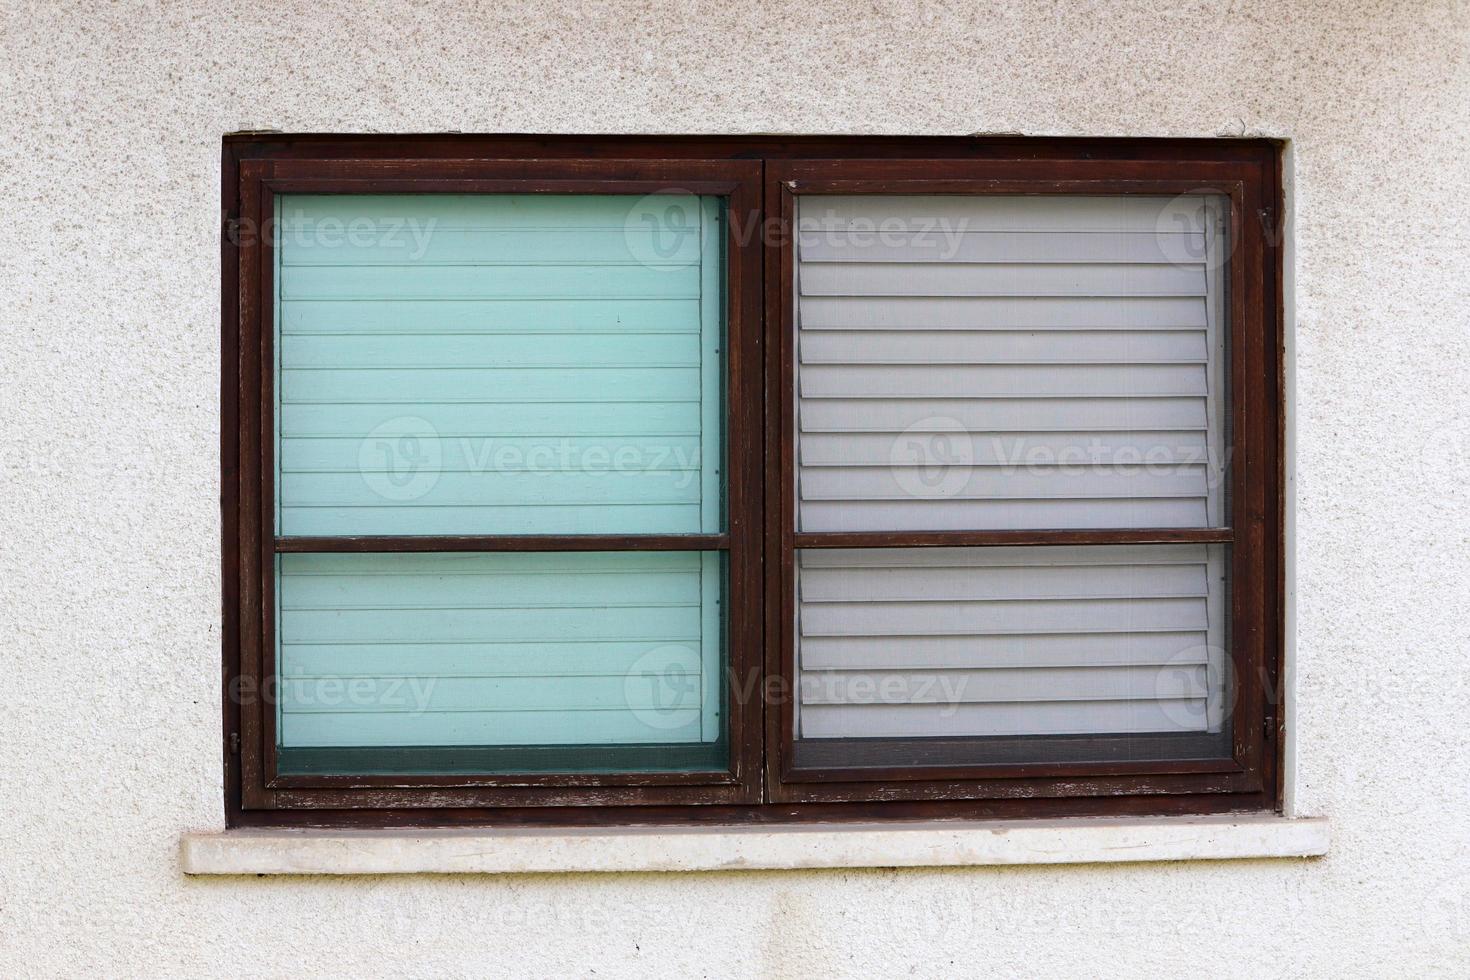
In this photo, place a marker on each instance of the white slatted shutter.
(907, 642)
(1007, 362)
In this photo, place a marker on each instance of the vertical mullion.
(773, 539)
(741, 276)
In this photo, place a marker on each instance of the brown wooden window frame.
(761, 179)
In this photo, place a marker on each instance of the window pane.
(972, 655)
(499, 364)
(1000, 362)
(500, 662)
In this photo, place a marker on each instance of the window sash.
(263, 785)
(1241, 769)
(256, 167)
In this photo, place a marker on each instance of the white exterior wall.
(109, 527)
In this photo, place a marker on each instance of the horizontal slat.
(530, 349)
(979, 720)
(873, 214)
(492, 421)
(902, 483)
(527, 489)
(1158, 648)
(1003, 313)
(611, 692)
(946, 689)
(534, 454)
(539, 623)
(410, 386)
(483, 659)
(419, 243)
(980, 616)
(1012, 556)
(1007, 380)
(530, 518)
(1022, 537)
(952, 245)
(970, 280)
(1001, 346)
(514, 588)
(1102, 447)
(438, 316)
(411, 282)
(399, 565)
(1057, 414)
(964, 515)
(338, 214)
(940, 583)
(507, 727)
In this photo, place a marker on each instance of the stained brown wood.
(258, 182)
(571, 816)
(980, 539)
(761, 179)
(1241, 182)
(229, 476)
(537, 542)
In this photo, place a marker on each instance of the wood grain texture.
(761, 463)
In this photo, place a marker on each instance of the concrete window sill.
(536, 850)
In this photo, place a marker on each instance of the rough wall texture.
(109, 566)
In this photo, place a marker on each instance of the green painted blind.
(499, 365)
(559, 649)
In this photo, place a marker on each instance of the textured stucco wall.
(109, 567)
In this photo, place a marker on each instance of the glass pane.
(976, 655)
(1001, 362)
(499, 364)
(547, 662)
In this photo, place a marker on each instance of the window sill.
(537, 850)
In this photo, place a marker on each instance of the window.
(683, 480)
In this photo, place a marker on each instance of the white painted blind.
(1010, 362)
(1011, 641)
